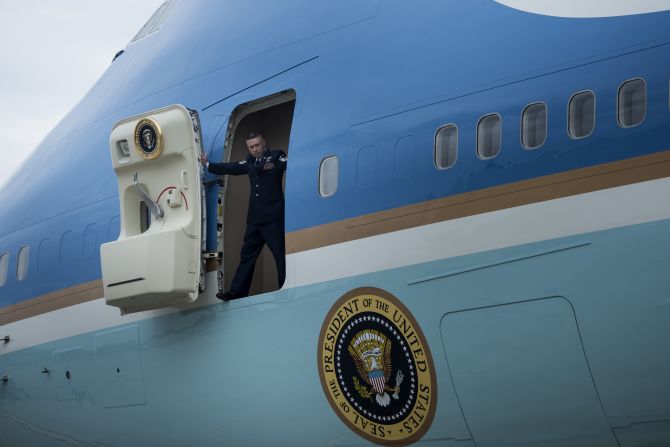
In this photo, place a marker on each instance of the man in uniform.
(265, 217)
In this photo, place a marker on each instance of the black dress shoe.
(227, 296)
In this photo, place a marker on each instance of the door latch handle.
(155, 209)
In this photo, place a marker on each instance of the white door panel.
(156, 260)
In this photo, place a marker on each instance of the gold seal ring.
(148, 139)
(376, 368)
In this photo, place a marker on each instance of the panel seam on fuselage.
(505, 83)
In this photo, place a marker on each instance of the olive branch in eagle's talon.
(364, 392)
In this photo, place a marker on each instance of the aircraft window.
(534, 125)
(4, 265)
(46, 255)
(90, 241)
(405, 149)
(154, 23)
(70, 248)
(114, 228)
(446, 146)
(328, 176)
(488, 136)
(366, 166)
(632, 103)
(22, 264)
(582, 114)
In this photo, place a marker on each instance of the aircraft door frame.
(236, 110)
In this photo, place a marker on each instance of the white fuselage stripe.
(567, 216)
(588, 8)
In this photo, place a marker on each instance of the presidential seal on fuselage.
(376, 368)
(148, 139)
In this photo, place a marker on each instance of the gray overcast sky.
(51, 53)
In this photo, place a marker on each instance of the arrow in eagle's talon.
(398, 380)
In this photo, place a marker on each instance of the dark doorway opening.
(272, 117)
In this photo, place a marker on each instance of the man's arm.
(238, 168)
(282, 160)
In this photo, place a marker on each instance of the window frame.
(437, 132)
(4, 276)
(19, 258)
(546, 125)
(318, 180)
(595, 114)
(477, 136)
(153, 19)
(618, 92)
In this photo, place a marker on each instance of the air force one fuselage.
(477, 233)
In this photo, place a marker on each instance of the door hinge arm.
(155, 209)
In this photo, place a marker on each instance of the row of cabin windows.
(631, 111)
(68, 251)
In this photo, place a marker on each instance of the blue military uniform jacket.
(266, 200)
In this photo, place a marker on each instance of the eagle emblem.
(148, 139)
(371, 351)
(368, 344)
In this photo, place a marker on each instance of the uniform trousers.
(255, 236)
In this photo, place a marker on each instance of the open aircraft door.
(157, 259)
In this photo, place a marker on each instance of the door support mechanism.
(155, 209)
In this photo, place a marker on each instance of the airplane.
(477, 232)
